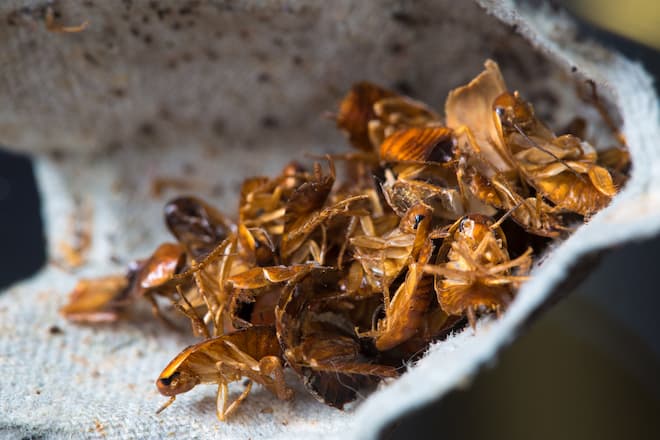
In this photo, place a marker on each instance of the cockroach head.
(176, 383)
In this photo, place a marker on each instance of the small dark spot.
(185, 10)
(186, 57)
(91, 59)
(135, 31)
(162, 13)
(244, 34)
(402, 86)
(573, 69)
(165, 113)
(188, 168)
(118, 92)
(88, 3)
(37, 392)
(261, 56)
(12, 18)
(297, 60)
(147, 129)
(55, 330)
(57, 155)
(171, 64)
(277, 41)
(148, 39)
(218, 126)
(514, 28)
(270, 122)
(404, 18)
(218, 34)
(246, 382)
(176, 26)
(396, 48)
(263, 77)
(115, 259)
(145, 19)
(211, 54)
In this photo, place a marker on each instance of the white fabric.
(99, 381)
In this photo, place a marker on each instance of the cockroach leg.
(158, 314)
(472, 319)
(166, 404)
(222, 396)
(271, 365)
(232, 407)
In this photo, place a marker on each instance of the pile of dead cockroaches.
(434, 222)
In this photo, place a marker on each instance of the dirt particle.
(218, 126)
(55, 330)
(270, 122)
(147, 129)
(396, 48)
(263, 77)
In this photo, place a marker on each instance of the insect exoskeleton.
(562, 169)
(473, 270)
(253, 353)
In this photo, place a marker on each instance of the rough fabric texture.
(212, 120)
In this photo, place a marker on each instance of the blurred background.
(589, 368)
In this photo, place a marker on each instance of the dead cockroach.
(322, 347)
(396, 113)
(562, 169)
(253, 353)
(101, 299)
(357, 109)
(345, 282)
(197, 226)
(473, 270)
(96, 300)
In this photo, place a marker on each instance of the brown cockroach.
(405, 312)
(197, 226)
(253, 353)
(473, 271)
(101, 299)
(258, 288)
(396, 113)
(357, 109)
(96, 300)
(423, 160)
(532, 213)
(384, 257)
(562, 169)
(322, 347)
(304, 210)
